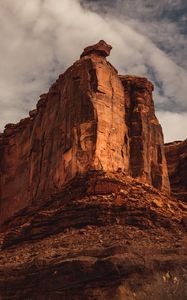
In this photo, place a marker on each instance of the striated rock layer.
(91, 119)
(176, 155)
(110, 237)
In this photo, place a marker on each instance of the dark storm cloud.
(39, 39)
(164, 21)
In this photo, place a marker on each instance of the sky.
(40, 38)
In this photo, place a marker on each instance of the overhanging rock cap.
(101, 48)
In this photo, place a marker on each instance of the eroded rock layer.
(176, 155)
(91, 119)
(105, 237)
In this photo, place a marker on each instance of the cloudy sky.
(41, 38)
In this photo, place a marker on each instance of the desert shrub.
(167, 286)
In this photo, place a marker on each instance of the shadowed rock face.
(90, 120)
(146, 158)
(176, 155)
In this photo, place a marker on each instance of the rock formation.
(146, 155)
(85, 209)
(176, 155)
(91, 119)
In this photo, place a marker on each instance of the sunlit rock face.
(91, 119)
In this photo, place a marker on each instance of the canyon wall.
(91, 119)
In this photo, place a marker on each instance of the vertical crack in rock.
(40, 166)
(111, 114)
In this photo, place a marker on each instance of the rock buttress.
(176, 156)
(147, 157)
(78, 126)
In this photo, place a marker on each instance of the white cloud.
(174, 125)
(40, 38)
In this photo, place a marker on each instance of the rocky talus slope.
(85, 205)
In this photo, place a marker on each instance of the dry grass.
(168, 286)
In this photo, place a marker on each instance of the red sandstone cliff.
(84, 193)
(176, 155)
(91, 119)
